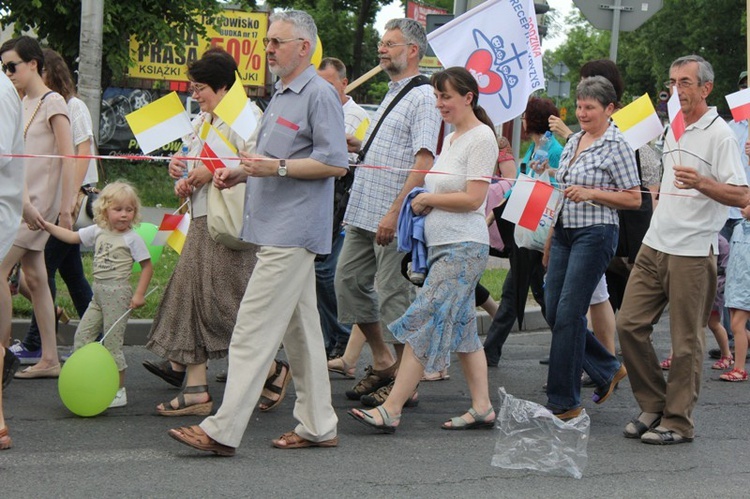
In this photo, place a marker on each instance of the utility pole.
(90, 59)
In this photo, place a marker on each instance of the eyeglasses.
(390, 45)
(11, 66)
(279, 41)
(679, 84)
(197, 88)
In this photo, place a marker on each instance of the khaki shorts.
(369, 284)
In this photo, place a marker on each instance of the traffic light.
(541, 8)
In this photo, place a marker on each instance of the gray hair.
(598, 88)
(336, 64)
(304, 25)
(413, 32)
(705, 70)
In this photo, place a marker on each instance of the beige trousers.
(688, 284)
(279, 306)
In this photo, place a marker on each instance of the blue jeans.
(335, 334)
(67, 259)
(578, 259)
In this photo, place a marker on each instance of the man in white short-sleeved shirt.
(677, 261)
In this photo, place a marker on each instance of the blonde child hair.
(119, 191)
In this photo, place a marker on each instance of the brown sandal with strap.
(266, 404)
(290, 440)
(183, 409)
(5, 440)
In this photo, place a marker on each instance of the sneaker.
(26, 356)
(121, 399)
(372, 381)
(67, 352)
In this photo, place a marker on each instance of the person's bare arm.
(387, 227)
(727, 194)
(61, 233)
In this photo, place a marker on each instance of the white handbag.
(225, 216)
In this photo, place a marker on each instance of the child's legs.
(115, 301)
(739, 320)
(91, 323)
(714, 324)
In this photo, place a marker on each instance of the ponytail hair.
(462, 82)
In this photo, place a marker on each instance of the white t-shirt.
(81, 128)
(472, 156)
(114, 252)
(686, 222)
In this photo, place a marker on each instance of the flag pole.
(359, 81)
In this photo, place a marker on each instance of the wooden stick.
(377, 69)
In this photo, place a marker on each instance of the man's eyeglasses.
(275, 42)
(390, 45)
(679, 84)
(11, 66)
(197, 88)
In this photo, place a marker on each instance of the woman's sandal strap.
(268, 385)
(387, 419)
(195, 389)
(181, 398)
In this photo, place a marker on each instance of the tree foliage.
(59, 23)
(345, 28)
(712, 29)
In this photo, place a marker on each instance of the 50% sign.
(241, 50)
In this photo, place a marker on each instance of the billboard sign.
(239, 33)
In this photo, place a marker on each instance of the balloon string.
(123, 316)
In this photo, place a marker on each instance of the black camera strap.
(415, 82)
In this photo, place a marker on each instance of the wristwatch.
(282, 168)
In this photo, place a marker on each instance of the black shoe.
(714, 353)
(10, 366)
(544, 361)
(164, 371)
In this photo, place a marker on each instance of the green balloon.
(147, 231)
(89, 380)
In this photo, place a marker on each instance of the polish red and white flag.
(527, 202)
(676, 117)
(739, 104)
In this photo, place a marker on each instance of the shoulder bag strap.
(33, 115)
(415, 82)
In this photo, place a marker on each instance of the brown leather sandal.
(5, 440)
(195, 437)
(183, 409)
(290, 440)
(266, 404)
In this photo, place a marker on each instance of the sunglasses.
(11, 66)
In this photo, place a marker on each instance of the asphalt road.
(127, 453)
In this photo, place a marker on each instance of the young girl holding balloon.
(117, 246)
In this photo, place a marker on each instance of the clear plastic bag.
(532, 438)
